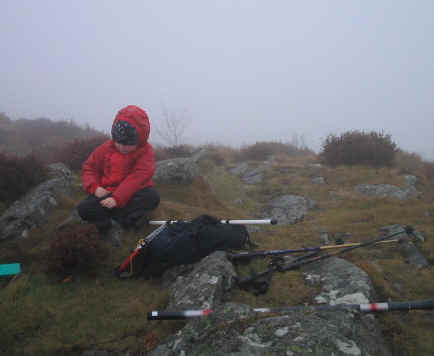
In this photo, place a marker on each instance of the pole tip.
(273, 222)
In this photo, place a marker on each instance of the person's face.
(125, 149)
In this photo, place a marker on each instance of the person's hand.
(108, 203)
(100, 192)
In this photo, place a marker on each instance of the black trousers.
(141, 203)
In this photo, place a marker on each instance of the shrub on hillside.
(75, 250)
(19, 175)
(263, 150)
(356, 147)
(408, 163)
(75, 153)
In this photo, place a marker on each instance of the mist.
(242, 71)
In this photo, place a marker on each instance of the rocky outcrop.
(289, 209)
(248, 174)
(318, 180)
(33, 209)
(406, 246)
(388, 191)
(234, 329)
(202, 285)
(178, 170)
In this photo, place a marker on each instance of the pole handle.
(176, 315)
(416, 304)
(161, 315)
(232, 222)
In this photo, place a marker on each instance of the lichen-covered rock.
(289, 209)
(235, 329)
(249, 175)
(406, 246)
(254, 175)
(176, 171)
(204, 285)
(341, 282)
(387, 190)
(318, 180)
(34, 207)
(411, 180)
(240, 169)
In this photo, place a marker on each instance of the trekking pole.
(251, 254)
(232, 222)
(295, 264)
(364, 308)
(407, 229)
(140, 244)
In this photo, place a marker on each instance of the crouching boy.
(118, 174)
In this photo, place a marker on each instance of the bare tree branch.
(172, 126)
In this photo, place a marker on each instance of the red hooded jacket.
(122, 174)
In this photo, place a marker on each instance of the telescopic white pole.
(232, 222)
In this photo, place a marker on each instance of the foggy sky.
(244, 70)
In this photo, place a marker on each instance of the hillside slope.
(47, 315)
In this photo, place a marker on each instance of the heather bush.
(75, 153)
(408, 163)
(19, 175)
(263, 150)
(75, 250)
(357, 147)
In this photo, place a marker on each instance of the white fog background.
(243, 70)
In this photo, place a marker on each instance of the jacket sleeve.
(91, 170)
(140, 175)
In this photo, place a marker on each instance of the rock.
(387, 190)
(324, 237)
(240, 169)
(341, 282)
(406, 247)
(178, 170)
(289, 209)
(315, 165)
(411, 180)
(233, 329)
(34, 207)
(59, 170)
(254, 175)
(318, 180)
(204, 286)
(249, 175)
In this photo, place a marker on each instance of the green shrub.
(19, 175)
(75, 153)
(357, 147)
(75, 250)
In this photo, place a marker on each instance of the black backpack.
(185, 243)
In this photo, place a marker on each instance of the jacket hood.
(138, 118)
